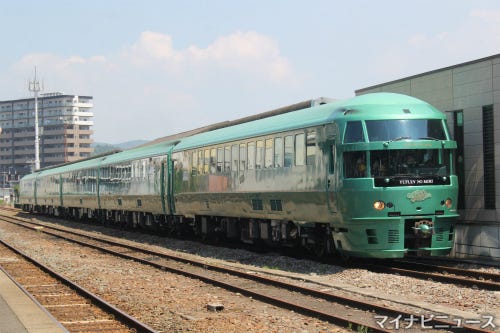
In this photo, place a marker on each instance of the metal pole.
(34, 86)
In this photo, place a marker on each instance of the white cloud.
(151, 47)
(492, 16)
(477, 35)
(150, 89)
(244, 52)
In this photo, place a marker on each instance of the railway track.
(446, 274)
(426, 271)
(341, 310)
(77, 309)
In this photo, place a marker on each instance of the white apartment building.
(65, 132)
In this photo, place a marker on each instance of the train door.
(170, 184)
(162, 187)
(330, 154)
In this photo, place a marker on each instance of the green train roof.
(127, 155)
(387, 106)
(369, 106)
(162, 148)
(87, 164)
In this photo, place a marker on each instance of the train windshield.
(395, 164)
(405, 129)
(409, 162)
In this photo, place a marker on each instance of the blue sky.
(156, 68)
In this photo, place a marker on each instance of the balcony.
(25, 134)
(53, 150)
(87, 141)
(53, 141)
(54, 160)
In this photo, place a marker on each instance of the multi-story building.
(65, 132)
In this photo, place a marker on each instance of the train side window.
(243, 156)
(311, 148)
(227, 158)
(354, 132)
(300, 150)
(200, 161)
(268, 159)
(206, 161)
(235, 157)
(145, 169)
(331, 156)
(259, 155)
(194, 164)
(251, 155)
(355, 164)
(278, 152)
(289, 151)
(213, 160)
(220, 159)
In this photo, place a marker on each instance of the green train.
(371, 176)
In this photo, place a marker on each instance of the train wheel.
(344, 257)
(324, 247)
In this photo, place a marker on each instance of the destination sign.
(411, 181)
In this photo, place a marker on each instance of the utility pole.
(34, 86)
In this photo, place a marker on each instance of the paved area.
(19, 313)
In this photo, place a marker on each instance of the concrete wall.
(466, 87)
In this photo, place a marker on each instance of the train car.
(122, 188)
(337, 176)
(397, 188)
(27, 192)
(61, 190)
(133, 186)
(371, 176)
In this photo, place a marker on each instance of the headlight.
(448, 203)
(379, 205)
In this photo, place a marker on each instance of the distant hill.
(101, 147)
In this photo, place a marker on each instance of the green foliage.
(103, 148)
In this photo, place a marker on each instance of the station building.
(65, 131)
(469, 94)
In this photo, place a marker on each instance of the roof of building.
(361, 90)
(43, 97)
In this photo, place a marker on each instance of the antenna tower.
(34, 86)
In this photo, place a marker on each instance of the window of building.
(458, 136)
(489, 157)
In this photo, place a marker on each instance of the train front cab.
(395, 198)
